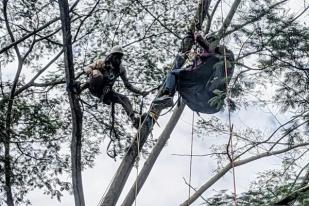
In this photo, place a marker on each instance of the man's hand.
(88, 71)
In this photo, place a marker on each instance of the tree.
(271, 48)
(77, 116)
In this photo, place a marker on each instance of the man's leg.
(114, 97)
(165, 98)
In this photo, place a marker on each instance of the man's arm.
(127, 84)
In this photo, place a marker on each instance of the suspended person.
(198, 82)
(102, 75)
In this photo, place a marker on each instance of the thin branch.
(144, 38)
(31, 82)
(210, 18)
(14, 43)
(85, 18)
(299, 173)
(224, 170)
(237, 27)
(203, 198)
(156, 18)
(272, 135)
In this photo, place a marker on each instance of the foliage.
(272, 51)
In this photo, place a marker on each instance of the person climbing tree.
(201, 79)
(102, 75)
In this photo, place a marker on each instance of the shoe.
(163, 102)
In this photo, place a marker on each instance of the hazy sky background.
(165, 185)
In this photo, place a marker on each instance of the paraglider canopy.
(196, 84)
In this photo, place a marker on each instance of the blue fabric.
(170, 82)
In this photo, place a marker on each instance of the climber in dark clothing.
(102, 76)
(214, 75)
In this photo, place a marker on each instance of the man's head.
(116, 55)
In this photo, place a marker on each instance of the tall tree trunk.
(8, 122)
(127, 164)
(136, 187)
(122, 174)
(76, 112)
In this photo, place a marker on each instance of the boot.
(163, 102)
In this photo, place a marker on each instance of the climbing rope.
(191, 155)
(195, 52)
(141, 123)
(228, 95)
(138, 149)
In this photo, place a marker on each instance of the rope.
(191, 156)
(192, 125)
(154, 116)
(228, 94)
(102, 198)
(138, 150)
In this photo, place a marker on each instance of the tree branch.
(237, 27)
(76, 112)
(31, 82)
(224, 170)
(156, 18)
(14, 43)
(228, 19)
(293, 196)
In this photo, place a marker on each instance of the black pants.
(114, 97)
(97, 85)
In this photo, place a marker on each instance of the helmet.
(116, 50)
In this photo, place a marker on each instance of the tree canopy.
(270, 40)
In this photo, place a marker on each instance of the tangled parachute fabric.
(197, 85)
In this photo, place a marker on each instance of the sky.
(165, 184)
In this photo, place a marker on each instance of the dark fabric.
(196, 86)
(114, 97)
(100, 88)
(170, 82)
(96, 85)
